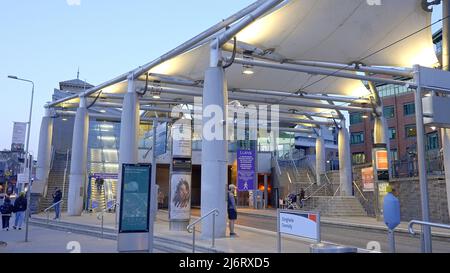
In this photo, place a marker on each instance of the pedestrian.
(57, 196)
(302, 197)
(6, 209)
(20, 206)
(232, 211)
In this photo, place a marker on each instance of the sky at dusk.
(46, 41)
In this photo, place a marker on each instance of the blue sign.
(246, 170)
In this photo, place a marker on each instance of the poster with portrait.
(180, 196)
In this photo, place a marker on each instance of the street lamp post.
(29, 164)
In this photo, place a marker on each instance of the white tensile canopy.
(344, 31)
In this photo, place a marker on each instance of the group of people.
(294, 198)
(18, 208)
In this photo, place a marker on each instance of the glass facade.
(392, 90)
(103, 147)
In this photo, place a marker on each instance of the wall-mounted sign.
(246, 170)
(368, 179)
(180, 197)
(182, 139)
(381, 159)
(135, 198)
(182, 165)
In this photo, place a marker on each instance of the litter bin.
(327, 248)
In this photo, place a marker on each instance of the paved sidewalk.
(346, 221)
(43, 240)
(249, 240)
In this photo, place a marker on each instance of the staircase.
(56, 179)
(297, 174)
(336, 206)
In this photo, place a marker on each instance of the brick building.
(399, 110)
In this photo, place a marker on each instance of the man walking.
(57, 196)
(20, 206)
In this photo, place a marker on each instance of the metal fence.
(409, 167)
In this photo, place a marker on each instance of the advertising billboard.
(180, 196)
(246, 170)
(135, 198)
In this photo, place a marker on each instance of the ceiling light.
(247, 69)
(64, 119)
(102, 111)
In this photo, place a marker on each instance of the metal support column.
(421, 162)
(78, 161)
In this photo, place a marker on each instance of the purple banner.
(246, 170)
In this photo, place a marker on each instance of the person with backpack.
(6, 209)
(57, 196)
(20, 206)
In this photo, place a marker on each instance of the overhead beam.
(303, 96)
(294, 102)
(318, 71)
(270, 55)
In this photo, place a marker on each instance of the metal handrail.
(47, 210)
(416, 222)
(101, 215)
(312, 194)
(328, 179)
(422, 224)
(191, 228)
(360, 192)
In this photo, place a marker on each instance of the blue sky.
(47, 41)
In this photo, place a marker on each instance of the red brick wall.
(401, 143)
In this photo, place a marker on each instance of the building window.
(410, 130)
(392, 133)
(389, 111)
(394, 154)
(359, 158)
(432, 141)
(356, 118)
(409, 109)
(357, 138)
